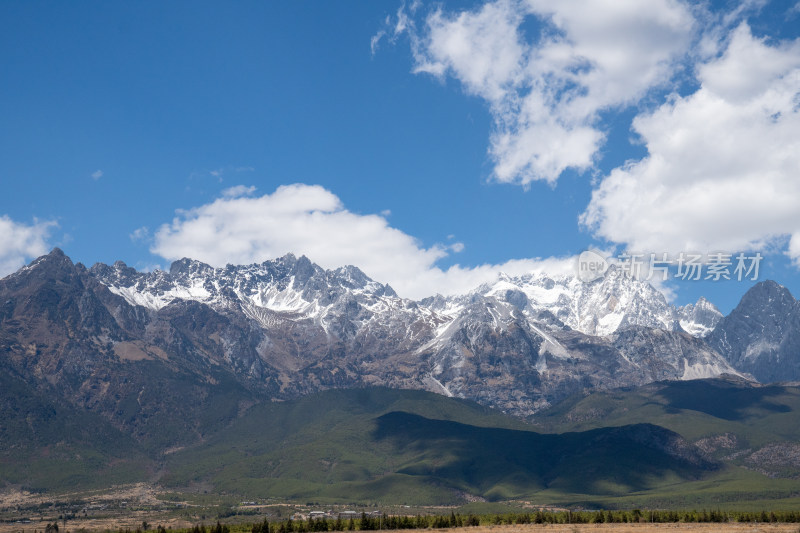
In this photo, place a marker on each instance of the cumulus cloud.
(20, 242)
(720, 172)
(310, 220)
(722, 163)
(97, 174)
(545, 89)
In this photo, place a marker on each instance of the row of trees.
(365, 523)
(219, 528)
(368, 523)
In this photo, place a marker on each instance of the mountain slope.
(756, 427)
(160, 378)
(414, 447)
(761, 336)
(46, 444)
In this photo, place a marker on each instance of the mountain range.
(161, 361)
(287, 327)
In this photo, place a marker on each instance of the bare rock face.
(761, 335)
(197, 344)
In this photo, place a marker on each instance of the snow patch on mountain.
(297, 286)
(699, 319)
(600, 307)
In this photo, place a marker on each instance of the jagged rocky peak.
(57, 253)
(189, 268)
(352, 276)
(768, 294)
(296, 284)
(304, 270)
(762, 334)
(768, 308)
(600, 307)
(436, 302)
(699, 319)
(54, 265)
(119, 272)
(287, 283)
(53, 288)
(280, 267)
(56, 259)
(516, 297)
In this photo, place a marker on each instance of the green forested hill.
(414, 447)
(46, 444)
(703, 444)
(752, 430)
(701, 409)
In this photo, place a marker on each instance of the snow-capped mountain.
(518, 343)
(295, 285)
(699, 319)
(286, 286)
(602, 307)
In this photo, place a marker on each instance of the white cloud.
(21, 242)
(392, 30)
(722, 168)
(460, 280)
(238, 190)
(457, 247)
(97, 174)
(376, 39)
(310, 220)
(220, 173)
(140, 234)
(545, 91)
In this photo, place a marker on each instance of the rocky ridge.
(136, 347)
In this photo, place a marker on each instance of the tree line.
(455, 520)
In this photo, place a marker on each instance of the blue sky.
(433, 145)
